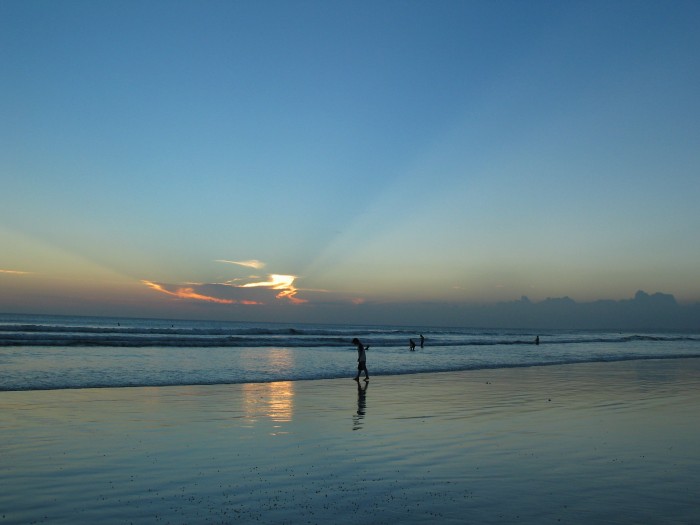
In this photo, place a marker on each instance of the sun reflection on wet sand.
(273, 401)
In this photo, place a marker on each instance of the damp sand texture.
(580, 443)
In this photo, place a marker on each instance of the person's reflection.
(361, 406)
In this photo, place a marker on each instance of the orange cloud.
(187, 293)
(284, 283)
(279, 286)
(276, 282)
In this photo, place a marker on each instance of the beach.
(576, 443)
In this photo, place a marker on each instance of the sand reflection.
(274, 401)
(359, 416)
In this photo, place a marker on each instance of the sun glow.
(284, 283)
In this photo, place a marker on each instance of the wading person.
(361, 359)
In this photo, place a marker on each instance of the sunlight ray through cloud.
(422, 170)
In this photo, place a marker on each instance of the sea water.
(60, 352)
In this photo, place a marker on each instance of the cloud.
(14, 272)
(256, 292)
(251, 290)
(252, 263)
(186, 293)
(283, 283)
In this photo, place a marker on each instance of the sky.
(303, 160)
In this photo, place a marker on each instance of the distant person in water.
(361, 359)
(537, 340)
(411, 344)
(422, 340)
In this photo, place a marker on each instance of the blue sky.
(237, 160)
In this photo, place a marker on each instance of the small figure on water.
(361, 359)
(412, 344)
(537, 340)
(422, 340)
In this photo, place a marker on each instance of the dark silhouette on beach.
(537, 340)
(422, 340)
(361, 359)
(412, 344)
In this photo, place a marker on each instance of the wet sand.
(586, 443)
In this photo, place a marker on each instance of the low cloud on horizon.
(642, 312)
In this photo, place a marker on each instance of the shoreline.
(379, 375)
(609, 442)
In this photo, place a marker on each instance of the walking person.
(361, 359)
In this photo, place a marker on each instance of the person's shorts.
(361, 365)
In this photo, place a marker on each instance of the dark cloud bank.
(644, 312)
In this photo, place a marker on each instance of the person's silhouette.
(361, 359)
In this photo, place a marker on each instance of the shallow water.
(50, 352)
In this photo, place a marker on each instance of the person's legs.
(359, 369)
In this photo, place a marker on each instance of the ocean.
(39, 352)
